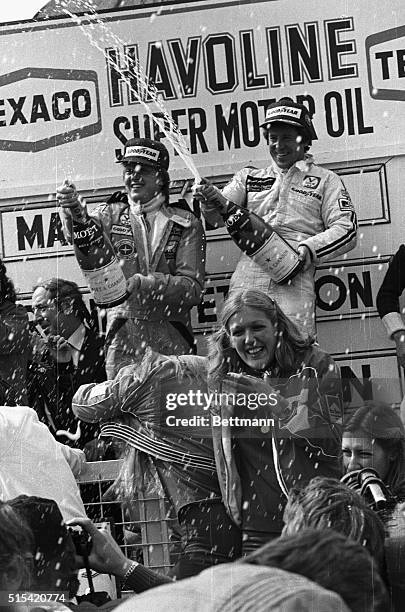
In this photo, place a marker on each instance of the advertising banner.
(69, 95)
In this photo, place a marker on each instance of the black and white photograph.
(202, 306)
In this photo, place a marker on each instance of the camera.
(82, 542)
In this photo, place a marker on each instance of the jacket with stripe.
(306, 205)
(170, 261)
(157, 398)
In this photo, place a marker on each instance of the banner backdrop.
(66, 109)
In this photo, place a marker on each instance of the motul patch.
(257, 183)
(311, 181)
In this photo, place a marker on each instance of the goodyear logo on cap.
(150, 154)
(284, 110)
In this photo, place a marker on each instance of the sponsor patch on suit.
(125, 249)
(311, 181)
(121, 229)
(257, 183)
(345, 204)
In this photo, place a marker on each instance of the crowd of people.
(248, 444)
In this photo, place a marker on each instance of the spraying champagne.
(95, 255)
(258, 239)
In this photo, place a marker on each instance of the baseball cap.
(146, 151)
(293, 113)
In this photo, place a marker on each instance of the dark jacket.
(52, 386)
(390, 291)
(304, 443)
(14, 351)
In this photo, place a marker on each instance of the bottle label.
(277, 257)
(233, 221)
(87, 234)
(108, 284)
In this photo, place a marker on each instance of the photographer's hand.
(105, 556)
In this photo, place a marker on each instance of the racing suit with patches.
(166, 247)
(307, 205)
(257, 465)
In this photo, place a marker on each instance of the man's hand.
(399, 338)
(133, 283)
(105, 556)
(59, 348)
(67, 195)
(304, 254)
(210, 196)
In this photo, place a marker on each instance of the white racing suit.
(170, 260)
(307, 205)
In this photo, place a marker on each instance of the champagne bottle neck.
(230, 209)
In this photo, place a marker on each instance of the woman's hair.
(327, 503)
(7, 291)
(16, 545)
(290, 345)
(377, 421)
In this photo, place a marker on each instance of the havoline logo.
(42, 108)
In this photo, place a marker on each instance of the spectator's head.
(54, 551)
(59, 307)
(255, 335)
(331, 560)
(7, 291)
(326, 503)
(16, 548)
(288, 131)
(145, 173)
(374, 436)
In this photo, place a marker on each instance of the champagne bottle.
(97, 260)
(262, 243)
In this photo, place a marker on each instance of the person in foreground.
(16, 546)
(312, 570)
(32, 462)
(325, 503)
(258, 354)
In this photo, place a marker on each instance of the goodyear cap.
(293, 113)
(146, 151)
